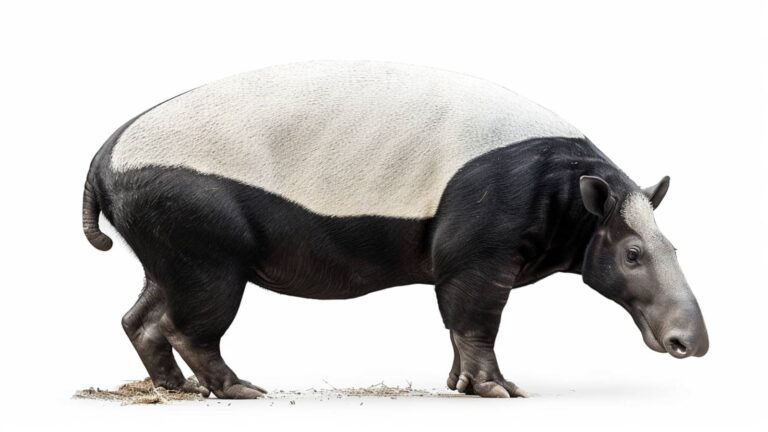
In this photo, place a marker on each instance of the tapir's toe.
(453, 379)
(191, 385)
(515, 391)
(241, 390)
(490, 389)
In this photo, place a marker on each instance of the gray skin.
(637, 267)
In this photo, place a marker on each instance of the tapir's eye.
(632, 254)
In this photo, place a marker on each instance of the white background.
(674, 88)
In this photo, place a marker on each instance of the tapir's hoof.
(490, 389)
(242, 390)
(515, 391)
(190, 386)
(453, 379)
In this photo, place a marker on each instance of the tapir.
(332, 180)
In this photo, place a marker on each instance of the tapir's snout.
(685, 335)
(680, 328)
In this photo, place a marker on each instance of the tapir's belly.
(340, 258)
(340, 139)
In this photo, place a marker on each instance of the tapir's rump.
(339, 138)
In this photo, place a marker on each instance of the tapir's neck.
(560, 247)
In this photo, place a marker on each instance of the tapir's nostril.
(677, 347)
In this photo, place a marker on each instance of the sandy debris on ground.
(376, 390)
(137, 392)
(143, 392)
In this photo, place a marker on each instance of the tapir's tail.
(91, 211)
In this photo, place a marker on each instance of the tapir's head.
(631, 262)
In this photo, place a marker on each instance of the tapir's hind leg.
(142, 325)
(203, 299)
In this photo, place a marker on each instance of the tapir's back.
(339, 138)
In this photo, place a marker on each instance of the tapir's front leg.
(471, 306)
(478, 371)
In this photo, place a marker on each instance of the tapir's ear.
(656, 193)
(596, 194)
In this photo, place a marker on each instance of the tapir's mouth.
(646, 330)
(649, 337)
